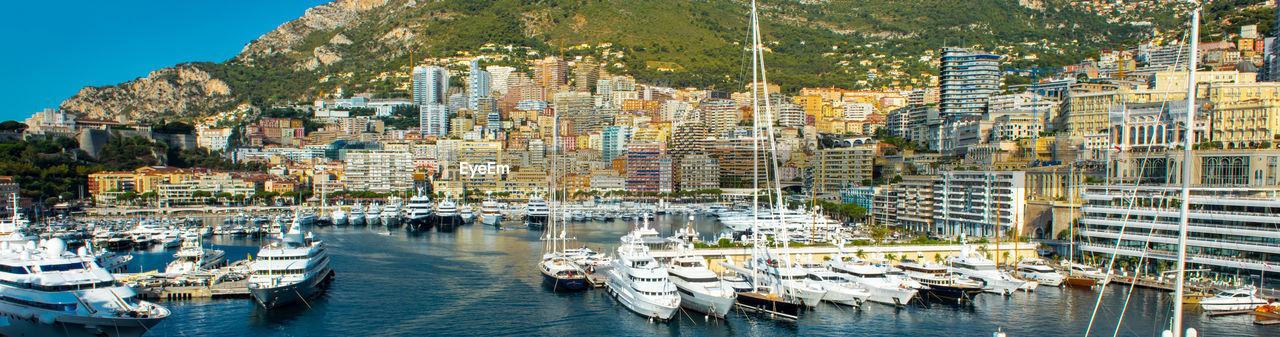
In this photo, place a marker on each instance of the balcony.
(1215, 260)
(1191, 241)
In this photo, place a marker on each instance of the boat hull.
(693, 300)
(1234, 306)
(564, 284)
(644, 308)
(949, 294)
(22, 321)
(491, 220)
(446, 223)
(891, 296)
(769, 304)
(1082, 282)
(275, 297)
(537, 221)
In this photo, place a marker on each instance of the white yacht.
(446, 215)
(418, 212)
(47, 291)
(192, 257)
(1036, 270)
(390, 215)
(490, 212)
(640, 283)
(356, 217)
(883, 289)
(979, 268)
(372, 215)
(537, 212)
(1244, 298)
(700, 289)
(840, 288)
(940, 282)
(466, 213)
(289, 270)
(339, 217)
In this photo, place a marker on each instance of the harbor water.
(482, 280)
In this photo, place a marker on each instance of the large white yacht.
(940, 282)
(339, 217)
(356, 217)
(289, 270)
(640, 283)
(371, 215)
(841, 289)
(884, 289)
(466, 214)
(700, 289)
(193, 257)
(47, 291)
(390, 215)
(537, 212)
(976, 267)
(490, 212)
(1036, 270)
(418, 212)
(447, 215)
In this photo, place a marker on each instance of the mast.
(755, 150)
(1187, 133)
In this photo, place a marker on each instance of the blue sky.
(53, 48)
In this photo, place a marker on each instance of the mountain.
(354, 44)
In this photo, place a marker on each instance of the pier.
(1016, 250)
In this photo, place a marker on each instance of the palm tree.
(861, 253)
(890, 257)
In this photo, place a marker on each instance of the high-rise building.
(500, 78)
(613, 142)
(648, 168)
(434, 119)
(844, 167)
(968, 79)
(478, 85)
(585, 74)
(790, 114)
(698, 172)
(550, 72)
(579, 108)
(378, 171)
(720, 115)
(430, 85)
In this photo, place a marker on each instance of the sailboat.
(1076, 274)
(558, 270)
(764, 295)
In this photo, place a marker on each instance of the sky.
(54, 48)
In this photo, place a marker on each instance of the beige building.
(1244, 115)
(1089, 113)
(843, 167)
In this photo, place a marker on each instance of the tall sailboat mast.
(1188, 131)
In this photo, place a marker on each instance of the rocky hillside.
(349, 43)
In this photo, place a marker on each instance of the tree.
(12, 126)
(861, 253)
(201, 194)
(890, 257)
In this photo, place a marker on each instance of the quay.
(233, 289)
(1016, 250)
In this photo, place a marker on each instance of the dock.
(234, 289)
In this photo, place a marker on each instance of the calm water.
(483, 281)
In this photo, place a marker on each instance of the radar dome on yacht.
(31, 245)
(82, 251)
(54, 247)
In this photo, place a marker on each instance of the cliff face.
(330, 16)
(185, 91)
(174, 91)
